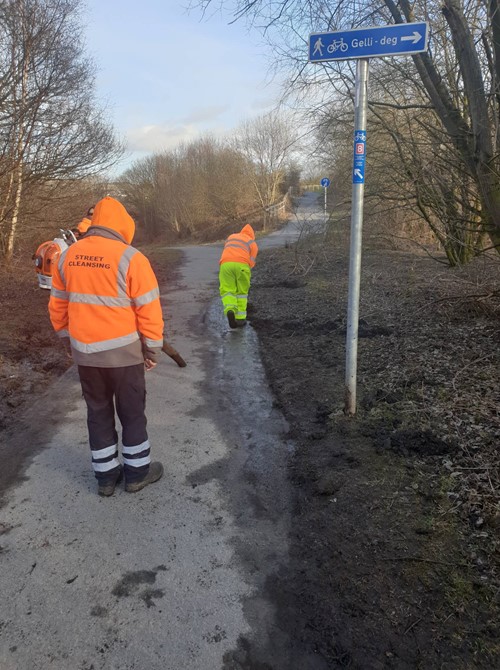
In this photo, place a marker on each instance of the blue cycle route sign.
(325, 182)
(392, 40)
(358, 170)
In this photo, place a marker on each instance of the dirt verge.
(395, 553)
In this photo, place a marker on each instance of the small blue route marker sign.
(358, 169)
(325, 182)
(392, 40)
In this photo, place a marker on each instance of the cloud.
(205, 114)
(160, 136)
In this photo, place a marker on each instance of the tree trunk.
(15, 214)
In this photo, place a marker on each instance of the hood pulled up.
(110, 213)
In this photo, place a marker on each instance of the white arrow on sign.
(358, 174)
(412, 38)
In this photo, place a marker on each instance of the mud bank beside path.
(395, 554)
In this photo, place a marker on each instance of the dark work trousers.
(125, 388)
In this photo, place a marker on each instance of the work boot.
(154, 474)
(232, 319)
(107, 489)
(240, 323)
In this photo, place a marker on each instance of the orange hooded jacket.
(84, 225)
(241, 247)
(105, 296)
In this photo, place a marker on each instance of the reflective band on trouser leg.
(241, 312)
(227, 286)
(105, 460)
(130, 399)
(98, 393)
(229, 303)
(136, 461)
(243, 281)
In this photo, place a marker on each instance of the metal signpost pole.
(360, 44)
(358, 187)
(325, 183)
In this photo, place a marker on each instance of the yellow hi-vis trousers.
(234, 284)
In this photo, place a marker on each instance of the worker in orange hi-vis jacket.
(235, 273)
(105, 299)
(85, 223)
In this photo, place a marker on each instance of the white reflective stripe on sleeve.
(226, 294)
(241, 313)
(104, 453)
(153, 343)
(130, 451)
(137, 462)
(56, 293)
(146, 298)
(62, 333)
(242, 297)
(104, 467)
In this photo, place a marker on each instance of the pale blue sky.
(169, 76)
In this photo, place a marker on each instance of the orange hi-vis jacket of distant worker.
(105, 295)
(240, 247)
(84, 225)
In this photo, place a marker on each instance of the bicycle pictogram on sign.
(337, 45)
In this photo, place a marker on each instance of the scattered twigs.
(474, 362)
(415, 623)
(419, 559)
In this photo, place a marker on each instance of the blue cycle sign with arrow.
(358, 170)
(362, 44)
(392, 40)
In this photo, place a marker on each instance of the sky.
(167, 75)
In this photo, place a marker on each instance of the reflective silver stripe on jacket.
(146, 298)
(123, 267)
(107, 300)
(62, 333)
(60, 266)
(238, 244)
(153, 343)
(104, 345)
(56, 293)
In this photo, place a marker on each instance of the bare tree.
(198, 188)
(268, 143)
(461, 85)
(50, 126)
